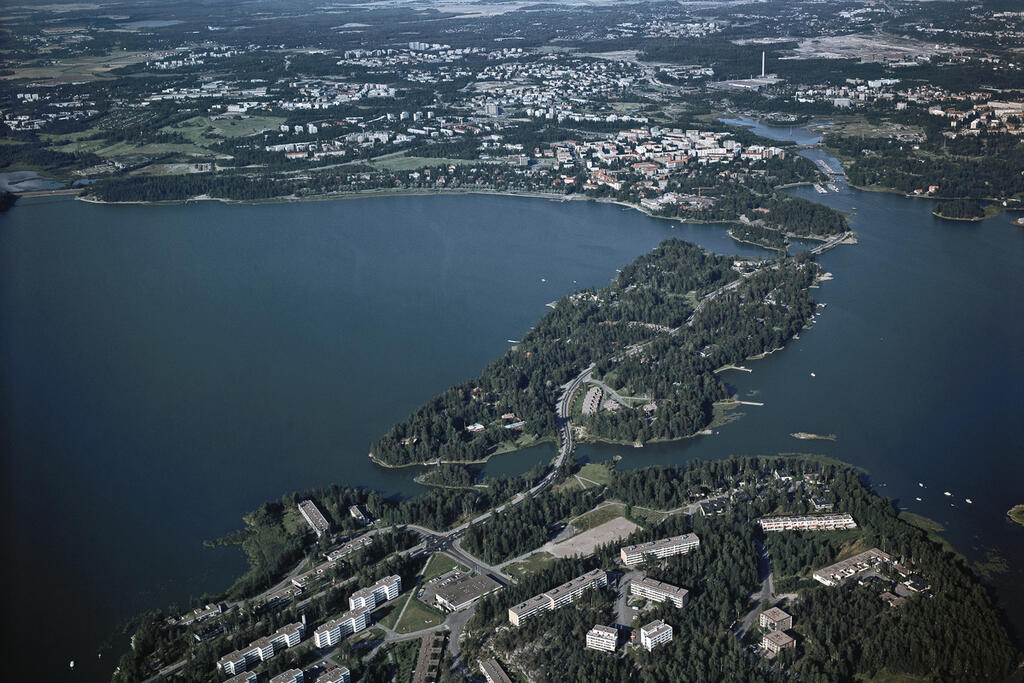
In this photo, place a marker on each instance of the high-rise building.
(654, 634)
(377, 594)
(602, 638)
(659, 592)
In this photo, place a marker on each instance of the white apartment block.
(557, 597)
(289, 676)
(659, 592)
(825, 522)
(602, 638)
(244, 677)
(262, 649)
(339, 675)
(666, 547)
(331, 632)
(349, 548)
(377, 594)
(311, 513)
(654, 634)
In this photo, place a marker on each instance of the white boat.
(918, 500)
(543, 280)
(946, 493)
(969, 501)
(920, 484)
(813, 375)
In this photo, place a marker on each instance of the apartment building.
(262, 649)
(602, 638)
(289, 676)
(331, 632)
(776, 620)
(377, 594)
(493, 672)
(339, 675)
(557, 597)
(654, 634)
(311, 513)
(659, 591)
(776, 641)
(666, 547)
(822, 522)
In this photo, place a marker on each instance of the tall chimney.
(762, 64)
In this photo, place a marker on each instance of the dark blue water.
(166, 369)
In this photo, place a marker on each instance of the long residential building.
(339, 675)
(824, 522)
(377, 594)
(666, 547)
(835, 574)
(557, 597)
(654, 634)
(493, 671)
(244, 677)
(289, 676)
(659, 592)
(602, 638)
(331, 632)
(349, 548)
(311, 513)
(262, 649)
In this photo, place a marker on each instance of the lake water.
(167, 369)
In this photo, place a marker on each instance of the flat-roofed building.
(349, 548)
(339, 675)
(654, 634)
(464, 591)
(261, 650)
(331, 632)
(311, 513)
(777, 640)
(359, 514)
(429, 659)
(557, 597)
(377, 594)
(245, 677)
(289, 676)
(838, 573)
(493, 671)
(659, 591)
(822, 522)
(602, 638)
(666, 547)
(776, 620)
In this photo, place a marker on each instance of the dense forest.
(960, 209)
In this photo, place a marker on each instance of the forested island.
(960, 210)
(639, 333)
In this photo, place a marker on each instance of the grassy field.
(103, 148)
(439, 564)
(599, 516)
(597, 473)
(418, 616)
(79, 69)
(533, 563)
(200, 130)
(645, 515)
(393, 610)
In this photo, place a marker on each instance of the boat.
(813, 375)
(920, 484)
(543, 280)
(946, 493)
(918, 500)
(969, 501)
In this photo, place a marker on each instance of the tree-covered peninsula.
(656, 334)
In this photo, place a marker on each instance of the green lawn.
(439, 564)
(393, 610)
(594, 472)
(418, 616)
(533, 563)
(598, 517)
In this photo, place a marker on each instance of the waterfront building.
(353, 621)
(776, 641)
(776, 620)
(493, 671)
(289, 676)
(822, 522)
(602, 638)
(838, 573)
(377, 594)
(311, 513)
(659, 591)
(464, 591)
(666, 547)
(654, 634)
(261, 650)
(339, 675)
(359, 514)
(557, 597)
